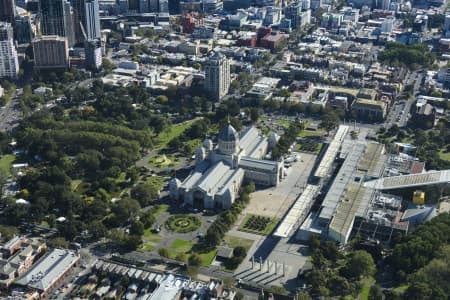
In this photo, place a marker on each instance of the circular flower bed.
(183, 223)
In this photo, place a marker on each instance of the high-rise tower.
(217, 76)
(9, 63)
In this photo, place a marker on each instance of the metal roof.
(298, 211)
(345, 176)
(332, 150)
(49, 269)
(258, 164)
(411, 180)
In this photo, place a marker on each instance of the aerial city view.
(225, 149)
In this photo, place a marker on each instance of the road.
(10, 114)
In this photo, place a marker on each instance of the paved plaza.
(264, 262)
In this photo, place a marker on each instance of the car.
(199, 234)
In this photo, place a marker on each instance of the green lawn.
(74, 184)
(6, 162)
(172, 132)
(156, 181)
(208, 257)
(444, 155)
(180, 245)
(150, 236)
(284, 123)
(162, 161)
(232, 242)
(160, 209)
(364, 294)
(311, 133)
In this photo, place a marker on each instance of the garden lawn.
(310, 133)
(162, 208)
(444, 155)
(156, 181)
(150, 236)
(172, 132)
(6, 162)
(208, 257)
(232, 242)
(364, 294)
(162, 161)
(180, 245)
(284, 123)
(74, 184)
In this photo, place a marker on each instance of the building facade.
(217, 76)
(50, 52)
(9, 63)
(56, 18)
(221, 169)
(92, 20)
(93, 54)
(7, 11)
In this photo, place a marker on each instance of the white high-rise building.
(217, 76)
(9, 62)
(92, 20)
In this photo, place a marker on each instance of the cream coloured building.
(221, 169)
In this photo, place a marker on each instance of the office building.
(123, 6)
(50, 52)
(299, 17)
(217, 76)
(23, 33)
(153, 5)
(164, 6)
(92, 20)
(143, 6)
(79, 17)
(57, 19)
(9, 63)
(69, 31)
(93, 54)
(86, 16)
(7, 11)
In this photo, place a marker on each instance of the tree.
(195, 260)
(359, 264)
(254, 114)
(375, 292)
(147, 218)
(8, 232)
(329, 121)
(124, 209)
(239, 295)
(137, 228)
(144, 193)
(419, 291)
(180, 257)
(239, 251)
(276, 289)
(58, 242)
(303, 296)
(97, 229)
(164, 252)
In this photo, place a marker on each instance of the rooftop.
(49, 269)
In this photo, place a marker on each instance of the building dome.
(228, 140)
(228, 134)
